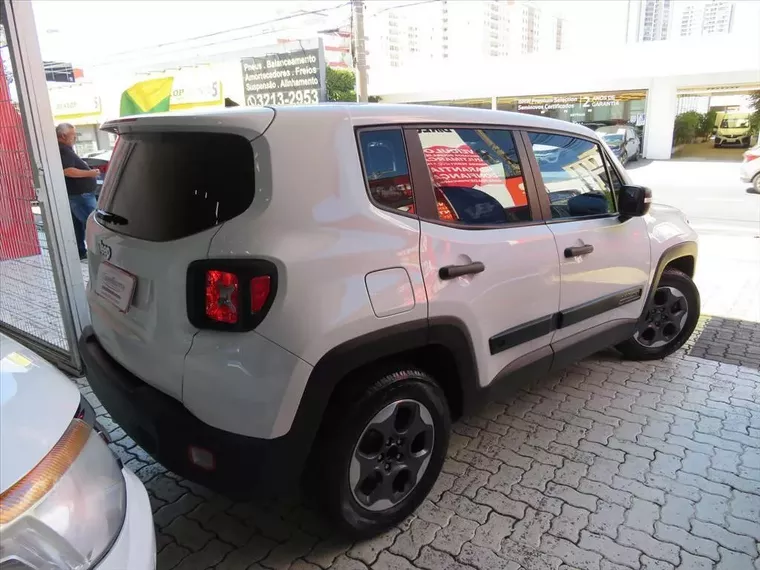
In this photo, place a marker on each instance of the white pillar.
(661, 112)
(494, 103)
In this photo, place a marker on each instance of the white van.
(734, 129)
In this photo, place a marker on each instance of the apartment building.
(655, 20)
(704, 18)
(461, 29)
(659, 20)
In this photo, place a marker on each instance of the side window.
(476, 175)
(574, 176)
(387, 169)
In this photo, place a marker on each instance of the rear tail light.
(260, 287)
(222, 296)
(230, 294)
(749, 156)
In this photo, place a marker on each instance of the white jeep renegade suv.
(333, 285)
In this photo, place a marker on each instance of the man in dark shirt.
(80, 183)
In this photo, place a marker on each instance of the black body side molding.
(540, 327)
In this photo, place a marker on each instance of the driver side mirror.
(633, 201)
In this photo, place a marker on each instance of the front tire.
(668, 320)
(382, 450)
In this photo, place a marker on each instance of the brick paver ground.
(606, 466)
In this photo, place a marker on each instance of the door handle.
(452, 271)
(578, 250)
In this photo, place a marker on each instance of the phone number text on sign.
(300, 97)
(284, 78)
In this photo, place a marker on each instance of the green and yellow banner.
(149, 96)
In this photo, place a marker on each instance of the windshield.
(613, 139)
(734, 123)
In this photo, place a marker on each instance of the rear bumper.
(166, 429)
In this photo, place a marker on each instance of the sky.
(85, 32)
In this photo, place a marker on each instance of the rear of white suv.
(219, 278)
(172, 184)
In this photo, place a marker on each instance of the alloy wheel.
(664, 319)
(392, 455)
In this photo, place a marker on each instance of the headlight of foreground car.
(67, 511)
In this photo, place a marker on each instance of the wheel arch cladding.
(685, 264)
(440, 347)
(681, 256)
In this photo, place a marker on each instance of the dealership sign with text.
(292, 77)
(565, 102)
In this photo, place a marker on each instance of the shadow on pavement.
(730, 341)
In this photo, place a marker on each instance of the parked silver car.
(622, 140)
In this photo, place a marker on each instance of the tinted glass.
(476, 174)
(574, 176)
(387, 169)
(734, 123)
(172, 185)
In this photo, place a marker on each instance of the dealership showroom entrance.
(714, 122)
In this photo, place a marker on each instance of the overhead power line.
(298, 14)
(138, 55)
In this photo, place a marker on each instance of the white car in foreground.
(750, 168)
(66, 502)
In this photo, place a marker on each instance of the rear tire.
(381, 450)
(756, 183)
(668, 320)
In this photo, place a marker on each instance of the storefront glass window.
(591, 109)
(471, 103)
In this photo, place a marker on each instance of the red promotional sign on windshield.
(453, 162)
(459, 166)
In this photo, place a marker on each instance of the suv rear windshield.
(171, 185)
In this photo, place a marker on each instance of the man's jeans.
(82, 205)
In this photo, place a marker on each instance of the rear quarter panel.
(312, 218)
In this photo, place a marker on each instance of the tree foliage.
(754, 104)
(707, 123)
(686, 127)
(341, 86)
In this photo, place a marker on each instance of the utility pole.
(360, 54)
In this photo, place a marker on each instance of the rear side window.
(476, 175)
(166, 186)
(387, 169)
